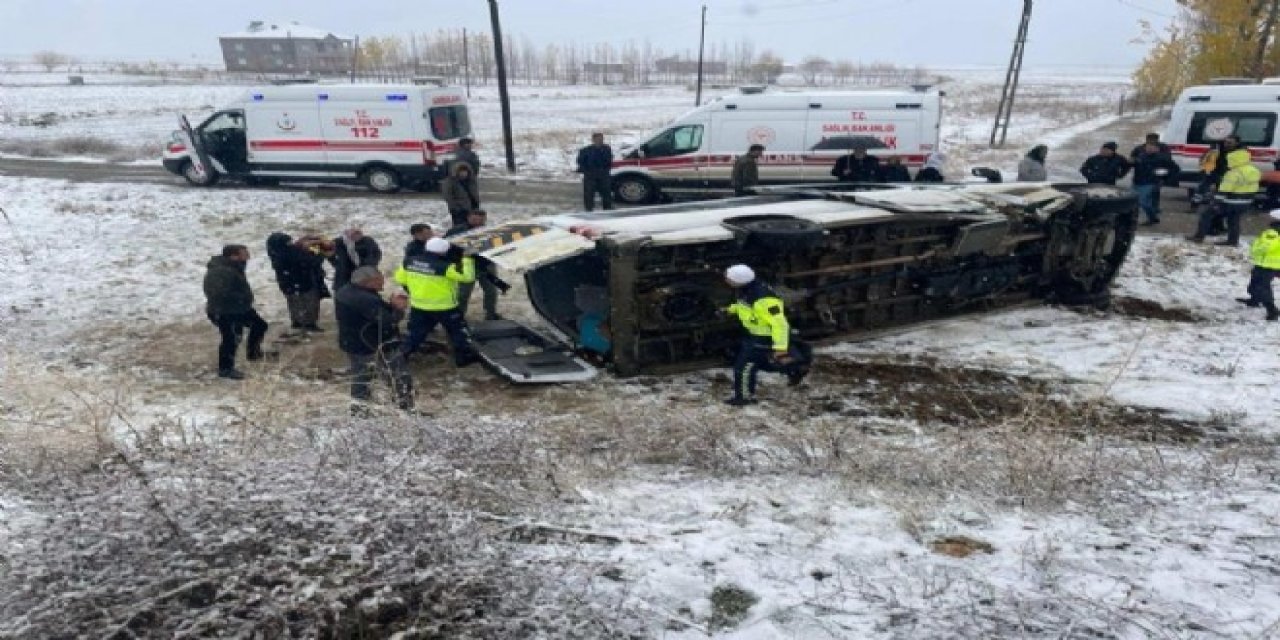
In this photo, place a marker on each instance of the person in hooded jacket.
(461, 192)
(1031, 168)
(229, 306)
(352, 250)
(893, 171)
(299, 268)
(932, 171)
(1106, 167)
(1265, 255)
(432, 281)
(1232, 198)
(767, 345)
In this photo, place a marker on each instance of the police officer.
(767, 345)
(432, 280)
(1265, 253)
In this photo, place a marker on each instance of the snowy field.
(1039, 473)
(550, 123)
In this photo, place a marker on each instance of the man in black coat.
(894, 171)
(299, 268)
(857, 166)
(352, 250)
(595, 162)
(475, 220)
(229, 305)
(420, 233)
(369, 333)
(1106, 167)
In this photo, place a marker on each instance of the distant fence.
(1136, 103)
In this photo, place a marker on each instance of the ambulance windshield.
(449, 123)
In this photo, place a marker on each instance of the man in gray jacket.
(460, 191)
(465, 154)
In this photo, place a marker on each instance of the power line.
(1143, 9)
(822, 18)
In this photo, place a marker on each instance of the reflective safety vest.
(1241, 178)
(432, 281)
(1265, 250)
(764, 318)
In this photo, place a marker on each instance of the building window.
(275, 47)
(279, 62)
(242, 62)
(239, 46)
(289, 66)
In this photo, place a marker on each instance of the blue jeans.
(1149, 200)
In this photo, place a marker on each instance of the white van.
(803, 133)
(385, 136)
(1204, 115)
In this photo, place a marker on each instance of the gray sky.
(928, 32)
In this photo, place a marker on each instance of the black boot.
(740, 402)
(1249, 302)
(1273, 313)
(230, 374)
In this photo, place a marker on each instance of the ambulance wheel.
(634, 190)
(382, 179)
(195, 177)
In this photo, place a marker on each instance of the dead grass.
(79, 145)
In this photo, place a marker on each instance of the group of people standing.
(855, 166)
(436, 280)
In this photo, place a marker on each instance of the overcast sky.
(929, 32)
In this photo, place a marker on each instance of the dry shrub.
(79, 145)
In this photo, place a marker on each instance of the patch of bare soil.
(1139, 308)
(933, 393)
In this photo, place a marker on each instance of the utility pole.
(702, 40)
(502, 86)
(1259, 70)
(1004, 112)
(355, 58)
(466, 62)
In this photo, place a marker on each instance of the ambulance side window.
(448, 123)
(223, 121)
(674, 142)
(1254, 129)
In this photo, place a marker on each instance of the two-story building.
(286, 48)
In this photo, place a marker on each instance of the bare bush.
(340, 530)
(50, 60)
(79, 145)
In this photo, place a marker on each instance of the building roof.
(291, 29)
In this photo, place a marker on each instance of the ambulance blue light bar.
(397, 97)
(323, 96)
(257, 96)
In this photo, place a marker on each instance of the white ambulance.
(384, 136)
(1204, 115)
(803, 133)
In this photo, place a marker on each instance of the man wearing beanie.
(432, 280)
(1265, 253)
(767, 345)
(1106, 167)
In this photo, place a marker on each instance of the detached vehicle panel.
(851, 264)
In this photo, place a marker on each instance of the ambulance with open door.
(384, 136)
(803, 133)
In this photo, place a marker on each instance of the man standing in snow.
(746, 171)
(369, 333)
(352, 250)
(767, 344)
(595, 163)
(461, 192)
(1150, 170)
(856, 166)
(475, 220)
(229, 305)
(420, 233)
(299, 268)
(467, 155)
(1265, 253)
(1106, 167)
(432, 281)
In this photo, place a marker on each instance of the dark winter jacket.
(366, 322)
(226, 289)
(849, 168)
(595, 161)
(460, 195)
(366, 248)
(1146, 164)
(894, 173)
(297, 269)
(746, 173)
(1163, 150)
(470, 158)
(414, 248)
(929, 174)
(1100, 169)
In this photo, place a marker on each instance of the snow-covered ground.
(827, 511)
